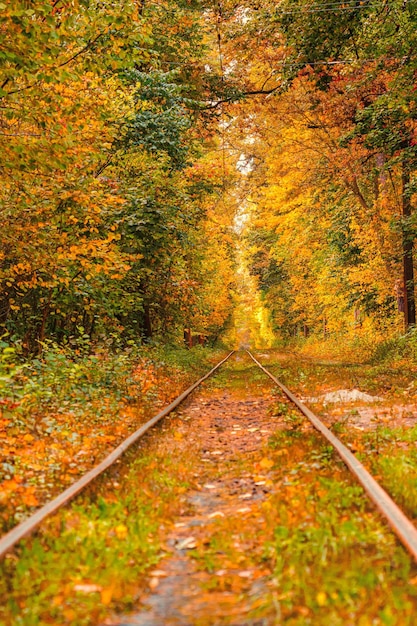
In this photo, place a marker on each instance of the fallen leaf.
(153, 583)
(121, 531)
(158, 573)
(107, 595)
(187, 544)
(87, 588)
(321, 598)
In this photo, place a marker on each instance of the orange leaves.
(14, 490)
(146, 376)
(66, 442)
(29, 498)
(266, 463)
(9, 487)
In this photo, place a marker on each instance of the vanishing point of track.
(399, 523)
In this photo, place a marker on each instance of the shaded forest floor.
(231, 512)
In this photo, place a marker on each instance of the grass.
(391, 455)
(310, 377)
(331, 558)
(321, 553)
(338, 565)
(60, 413)
(90, 558)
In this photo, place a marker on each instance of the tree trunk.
(407, 244)
(188, 338)
(147, 321)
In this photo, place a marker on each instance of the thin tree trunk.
(147, 321)
(407, 244)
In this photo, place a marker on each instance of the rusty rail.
(399, 523)
(31, 523)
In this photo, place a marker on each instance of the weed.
(324, 456)
(330, 555)
(65, 408)
(92, 555)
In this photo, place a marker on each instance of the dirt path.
(228, 434)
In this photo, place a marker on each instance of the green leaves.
(161, 118)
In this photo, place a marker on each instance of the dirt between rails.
(228, 434)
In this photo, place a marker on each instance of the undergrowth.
(334, 562)
(362, 345)
(321, 552)
(60, 412)
(90, 557)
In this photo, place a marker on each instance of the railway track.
(400, 524)
(402, 527)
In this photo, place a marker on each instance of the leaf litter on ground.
(304, 546)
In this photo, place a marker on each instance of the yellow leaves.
(106, 594)
(121, 531)
(266, 463)
(321, 598)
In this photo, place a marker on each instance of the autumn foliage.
(106, 225)
(328, 137)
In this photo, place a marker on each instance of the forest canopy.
(134, 135)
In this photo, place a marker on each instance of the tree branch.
(70, 60)
(235, 98)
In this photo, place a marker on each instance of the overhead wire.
(328, 10)
(349, 5)
(339, 3)
(343, 61)
(333, 4)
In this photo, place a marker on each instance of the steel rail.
(31, 523)
(399, 523)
